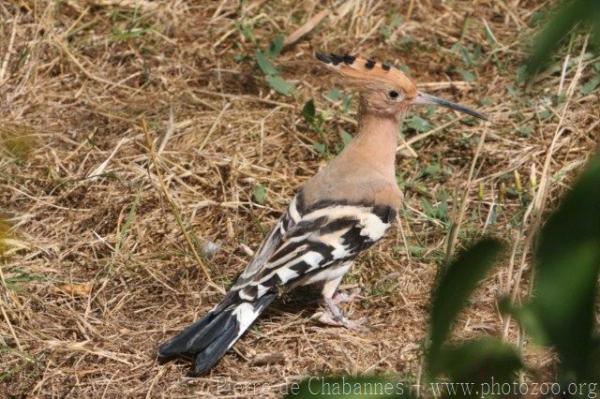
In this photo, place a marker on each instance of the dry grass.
(104, 257)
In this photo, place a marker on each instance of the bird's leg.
(333, 316)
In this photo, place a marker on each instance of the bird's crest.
(367, 71)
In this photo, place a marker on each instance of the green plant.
(263, 60)
(561, 311)
(316, 121)
(568, 15)
(259, 193)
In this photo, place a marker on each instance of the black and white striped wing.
(270, 244)
(307, 242)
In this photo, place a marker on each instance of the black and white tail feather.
(210, 337)
(307, 245)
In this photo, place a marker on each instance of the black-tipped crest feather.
(335, 59)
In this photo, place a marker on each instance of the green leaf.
(567, 264)
(17, 277)
(428, 208)
(478, 360)
(433, 170)
(524, 131)
(346, 137)
(568, 14)
(526, 318)
(275, 46)
(246, 30)
(264, 64)
(417, 123)
(521, 73)
(545, 114)
(466, 75)
(454, 288)
(489, 36)
(590, 86)
(280, 85)
(320, 148)
(259, 194)
(416, 250)
(309, 112)
(348, 387)
(238, 58)
(333, 94)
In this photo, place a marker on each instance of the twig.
(536, 208)
(456, 84)
(421, 136)
(213, 127)
(9, 50)
(87, 73)
(455, 229)
(244, 97)
(169, 133)
(306, 28)
(10, 327)
(314, 21)
(175, 210)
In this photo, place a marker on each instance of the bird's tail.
(210, 337)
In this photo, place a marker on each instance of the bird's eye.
(393, 94)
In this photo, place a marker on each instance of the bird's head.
(385, 90)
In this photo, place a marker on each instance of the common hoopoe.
(341, 211)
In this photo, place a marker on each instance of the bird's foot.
(330, 320)
(333, 316)
(343, 297)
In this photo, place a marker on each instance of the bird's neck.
(376, 142)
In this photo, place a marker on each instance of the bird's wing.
(306, 240)
(272, 242)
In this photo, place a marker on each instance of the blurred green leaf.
(333, 94)
(271, 73)
(479, 360)
(280, 85)
(264, 64)
(433, 170)
(259, 193)
(545, 114)
(454, 288)
(524, 131)
(466, 75)
(246, 29)
(521, 73)
(489, 36)
(568, 14)
(417, 123)
(17, 140)
(590, 85)
(349, 387)
(439, 211)
(17, 277)
(320, 148)
(567, 263)
(309, 112)
(275, 46)
(346, 137)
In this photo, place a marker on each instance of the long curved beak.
(422, 98)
